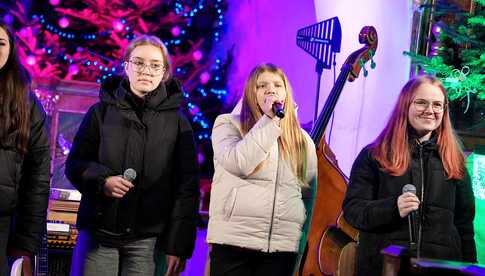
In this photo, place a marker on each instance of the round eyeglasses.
(154, 68)
(422, 105)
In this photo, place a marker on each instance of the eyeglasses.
(421, 105)
(154, 68)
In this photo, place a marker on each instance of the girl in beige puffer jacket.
(263, 165)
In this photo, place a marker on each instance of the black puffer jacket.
(24, 183)
(155, 139)
(446, 212)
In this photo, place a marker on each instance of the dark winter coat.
(24, 182)
(155, 139)
(446, 212)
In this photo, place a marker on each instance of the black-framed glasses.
(154, 68)
(421, 105)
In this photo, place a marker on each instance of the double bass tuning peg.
(372, 63)
(362, 64)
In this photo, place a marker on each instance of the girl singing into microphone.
(264, 165)
(417, 146)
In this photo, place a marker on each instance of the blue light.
(95, 63)
(88, 63)
(100, 67)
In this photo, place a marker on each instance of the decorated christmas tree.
(85, 40)
(457, 57)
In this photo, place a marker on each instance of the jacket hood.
(168, 95)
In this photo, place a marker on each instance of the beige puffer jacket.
(263, 209)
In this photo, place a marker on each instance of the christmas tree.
(457, 54)
(85, 40)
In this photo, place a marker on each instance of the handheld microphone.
(410, 188)
(129, 175)
(278, 109)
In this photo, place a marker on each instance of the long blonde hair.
(292, 142)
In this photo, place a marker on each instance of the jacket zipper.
(422, 200)
(274, 205)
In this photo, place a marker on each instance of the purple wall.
(265, 31)
(365, 104)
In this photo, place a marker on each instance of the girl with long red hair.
(418, 146)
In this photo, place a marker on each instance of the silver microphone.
(412, 218)
(129, 175)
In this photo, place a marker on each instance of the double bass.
(325, 241)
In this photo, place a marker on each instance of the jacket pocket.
(230, 203)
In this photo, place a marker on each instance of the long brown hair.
(14, 101)
(292, 141)
(391, 148)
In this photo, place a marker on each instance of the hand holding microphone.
(407, 201)
(117, 186)
(273, 107)
(278, 110)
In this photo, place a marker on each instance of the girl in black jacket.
(418, 147)
(24, 158)
(137, 126)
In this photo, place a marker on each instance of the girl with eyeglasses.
(124, 218)
(418, 146)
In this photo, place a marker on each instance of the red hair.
(391, 148)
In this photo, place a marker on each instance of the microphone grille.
(409, 188)
(129, 174)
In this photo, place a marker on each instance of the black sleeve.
(361, 207)
(464, 215)
(179, 236)
(82, 166)
(33, 194)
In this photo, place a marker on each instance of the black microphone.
(410, 188)
(278, 109)
(129, 175)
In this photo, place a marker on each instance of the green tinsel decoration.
(463, 73)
